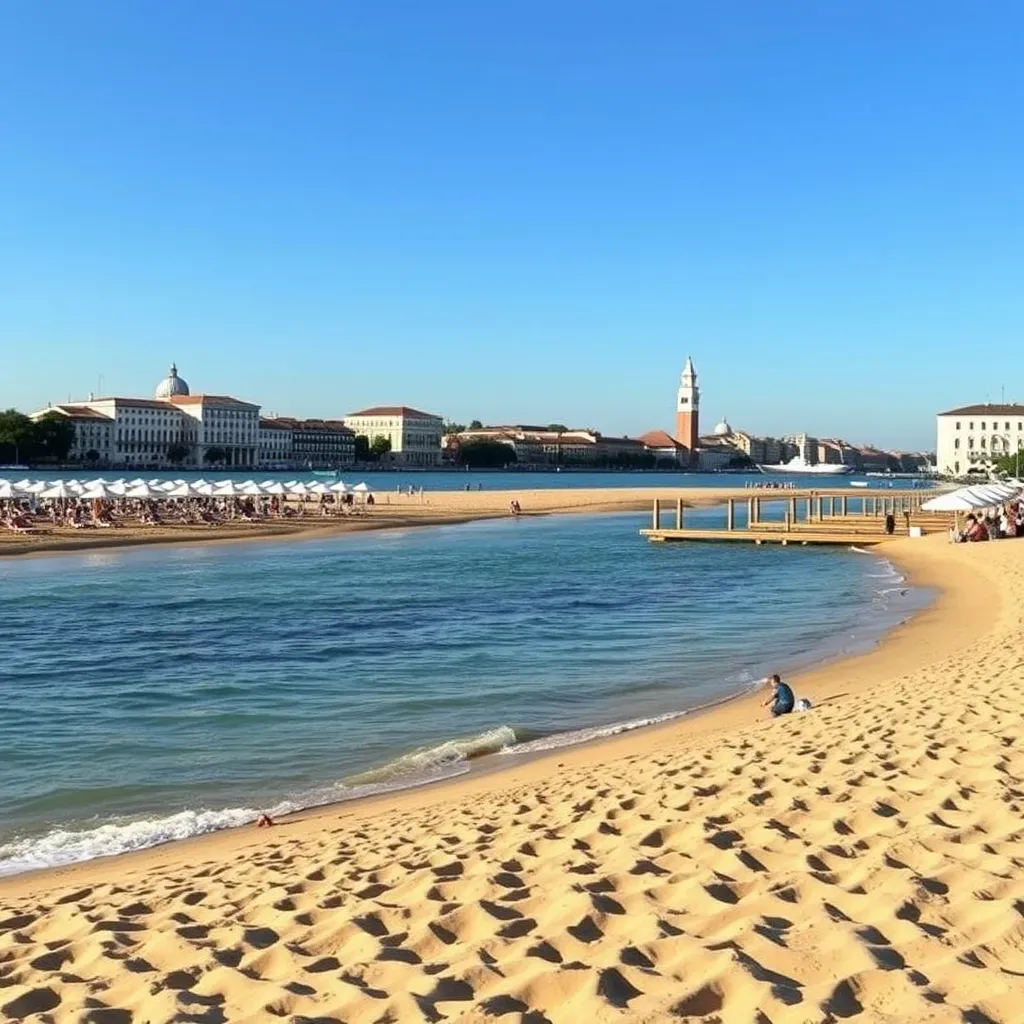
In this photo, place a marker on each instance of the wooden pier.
(807, 517)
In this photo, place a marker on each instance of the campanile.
(688, 408)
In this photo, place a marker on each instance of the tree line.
(24, 440)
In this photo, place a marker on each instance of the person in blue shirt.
(781, 697)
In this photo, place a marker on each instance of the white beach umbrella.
(97, 491)
(143, 490)
(8, 490)
(361, 488)
(179, 490)
(59, 489)
(291, 483)
(340, 487)
(274, 487)
(136, 482)
(226, 489)
(250, 488)
(23, 483)
(37, 486)
(118, 488)
(202, 487)
(299, 489)
(319, 488)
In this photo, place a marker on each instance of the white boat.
(798, 465)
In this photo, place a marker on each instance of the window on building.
(983, 427)
(956, 443)
(958, 425)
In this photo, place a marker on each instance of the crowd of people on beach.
(26, 511)
(994, 524)
(770, 485)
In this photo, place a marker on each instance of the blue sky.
(519, 212)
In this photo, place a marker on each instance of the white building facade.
(970, 439)
(175, 428)
(415, 436)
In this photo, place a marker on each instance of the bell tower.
(688, 408)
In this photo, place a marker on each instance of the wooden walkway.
(808, 517)
(844, 538)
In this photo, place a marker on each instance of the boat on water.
(799, 465)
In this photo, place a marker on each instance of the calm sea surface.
(490, 481)
(152, 694)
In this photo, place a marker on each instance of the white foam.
(67, 846)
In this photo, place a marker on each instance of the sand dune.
(861, 862)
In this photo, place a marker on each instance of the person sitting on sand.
(781, 697)
(264, 821)
(977, 530)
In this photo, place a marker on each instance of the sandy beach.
(861, 861)
(392, 511)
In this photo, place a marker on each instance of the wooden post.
(792, 509)
(730, 514)
(789, 521)
(750, 512)
(845, 506)
(679, 513)
(656, 524)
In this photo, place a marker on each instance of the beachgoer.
(781, 697)
(264, 821)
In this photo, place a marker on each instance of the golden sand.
(860, 862)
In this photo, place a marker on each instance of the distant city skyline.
(323, 208)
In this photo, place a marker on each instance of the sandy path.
(860, 862)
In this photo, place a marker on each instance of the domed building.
(722, 428)
(171, 385)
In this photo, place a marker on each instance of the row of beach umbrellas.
(964, 499)
(87, 490)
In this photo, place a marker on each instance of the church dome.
(722, 428)
(171, 385)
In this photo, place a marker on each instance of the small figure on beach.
(264, 821)
(514, 507)
(781, 697)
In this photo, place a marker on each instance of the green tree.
(740, 461)
(362, 443)
(486, 454)
(17, 436)
(381, 446)
(177, 453)
(92, 455)
(559, 428)
(53, 436)
(453, 428)
(1010, 465)
(215, 454)
(476, 425)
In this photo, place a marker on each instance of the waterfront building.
(227, 426)
(274, 441)
(94, 440)
(174, 428)
(542, 446)
(971, 438)
(415, 436)
(318, 444)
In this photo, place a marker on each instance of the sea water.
(154, 693)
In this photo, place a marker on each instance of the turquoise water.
(494, 481)
(151, 694)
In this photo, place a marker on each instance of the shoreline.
(438, 508)
(492, 768)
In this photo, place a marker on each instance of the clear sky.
(529, 211)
